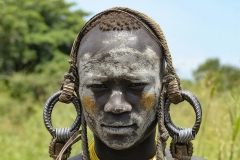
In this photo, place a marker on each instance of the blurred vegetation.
(212, 71)
(32, 31)
(36, 38)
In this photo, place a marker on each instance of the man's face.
(120, 85)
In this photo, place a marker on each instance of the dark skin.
(117, 99)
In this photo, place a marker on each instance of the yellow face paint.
(88, 103)
(148, 101)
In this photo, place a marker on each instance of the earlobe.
(184, 134)
(173, 89)
(64, 138)
(181, 142)
(67, 93)
(60, 136)
(172, 93)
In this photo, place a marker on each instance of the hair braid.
(85, 152)
(162, 131)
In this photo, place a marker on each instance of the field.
(23, 135)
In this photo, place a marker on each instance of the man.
(118, 67)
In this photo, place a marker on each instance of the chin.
(121, 143)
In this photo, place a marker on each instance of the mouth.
(119, 129)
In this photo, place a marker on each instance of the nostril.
(119, 110)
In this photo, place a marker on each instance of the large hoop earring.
(60, 135)
(182, 136)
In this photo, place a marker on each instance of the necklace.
(93, 155)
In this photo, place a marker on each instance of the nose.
(117, 104)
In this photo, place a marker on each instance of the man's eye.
(98, 86)
(137, 85)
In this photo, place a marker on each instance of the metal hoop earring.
(182, 136)
(60, 135)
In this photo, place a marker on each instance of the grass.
(23, 134)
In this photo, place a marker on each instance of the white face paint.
(120, 85)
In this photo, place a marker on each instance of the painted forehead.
(97, 41)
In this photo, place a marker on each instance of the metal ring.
(183, 134)
(47, 112)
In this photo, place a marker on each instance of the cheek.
(148, 101)
(88, 104)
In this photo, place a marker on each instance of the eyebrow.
(99, 79)
(132, 77)
(105, 78)
(95, 79)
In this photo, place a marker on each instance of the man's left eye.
(136, 85)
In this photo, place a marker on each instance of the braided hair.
(117, 19)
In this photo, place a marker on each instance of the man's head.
(117, 70)
(120, 74)
(120, 55)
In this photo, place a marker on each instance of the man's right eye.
(98, 86)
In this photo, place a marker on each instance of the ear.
(70, 83)
(67, 92)
(173, 89)
(47, 112)
(181, 145)
(61, 136)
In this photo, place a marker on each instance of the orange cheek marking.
(148, 101)
(88, 103)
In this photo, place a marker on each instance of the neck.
(145, 150)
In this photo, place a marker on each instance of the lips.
(118, 128)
